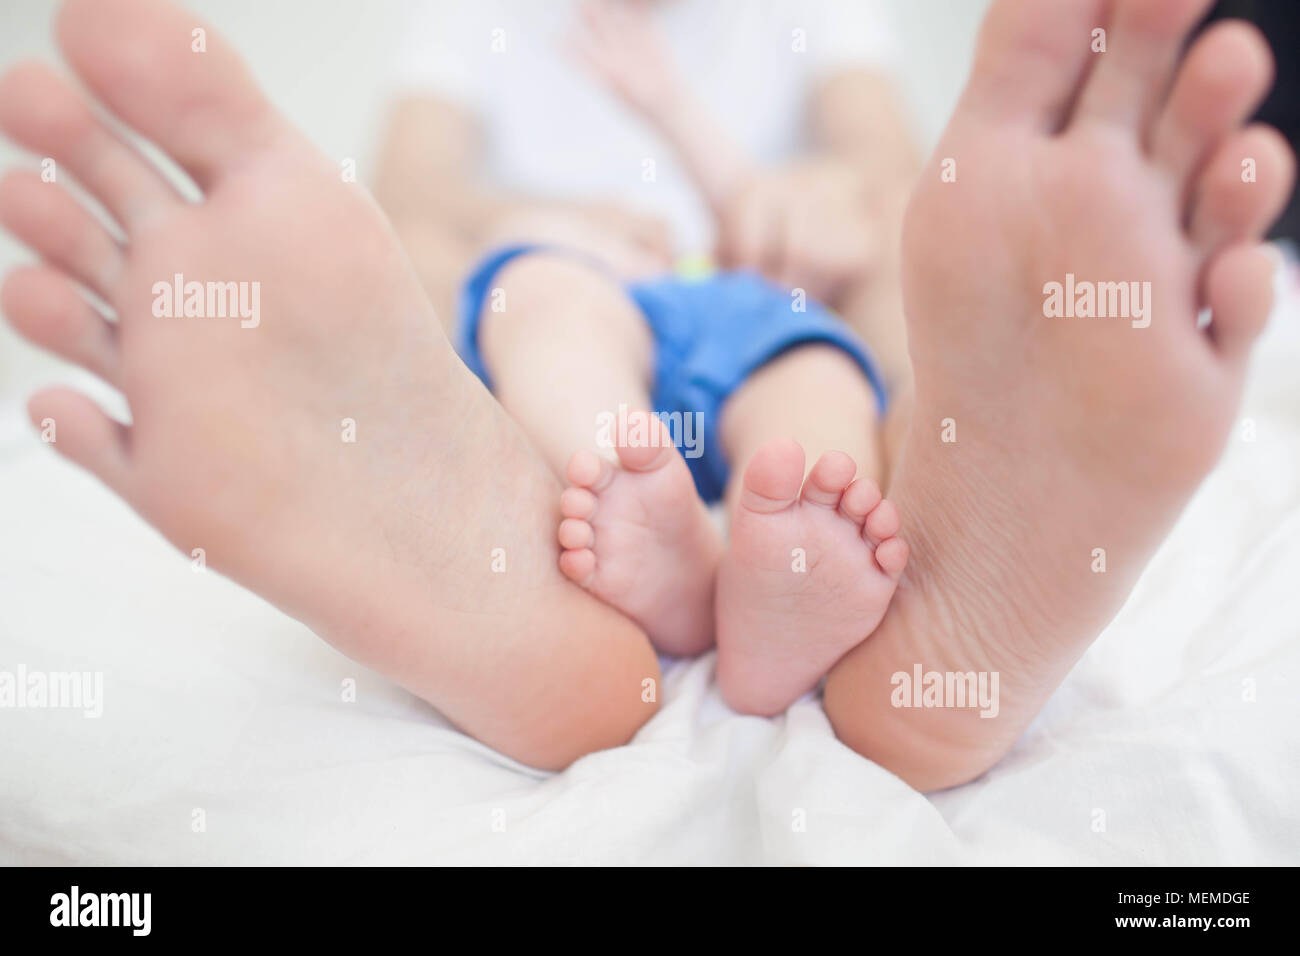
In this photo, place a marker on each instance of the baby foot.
(638, 537)
(806, 576)
(1050, 453)
(314, 435)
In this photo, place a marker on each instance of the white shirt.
(551, 129)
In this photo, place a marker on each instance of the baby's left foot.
(807, 575)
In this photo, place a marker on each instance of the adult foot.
(806, 576)
(638, 536)
(301, 420)
(1049, 455)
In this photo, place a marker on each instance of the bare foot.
(806, 575)
(639, 537)
(1050, 455)
(315, 437)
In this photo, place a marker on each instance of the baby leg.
(812, 562)
(569, 355)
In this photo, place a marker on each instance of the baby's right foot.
(639, 537)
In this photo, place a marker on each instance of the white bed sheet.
(214, 701)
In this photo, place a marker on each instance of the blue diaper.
(710, 335)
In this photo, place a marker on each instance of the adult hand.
(811, 225)
(619, 42)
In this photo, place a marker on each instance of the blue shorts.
(710, 335)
